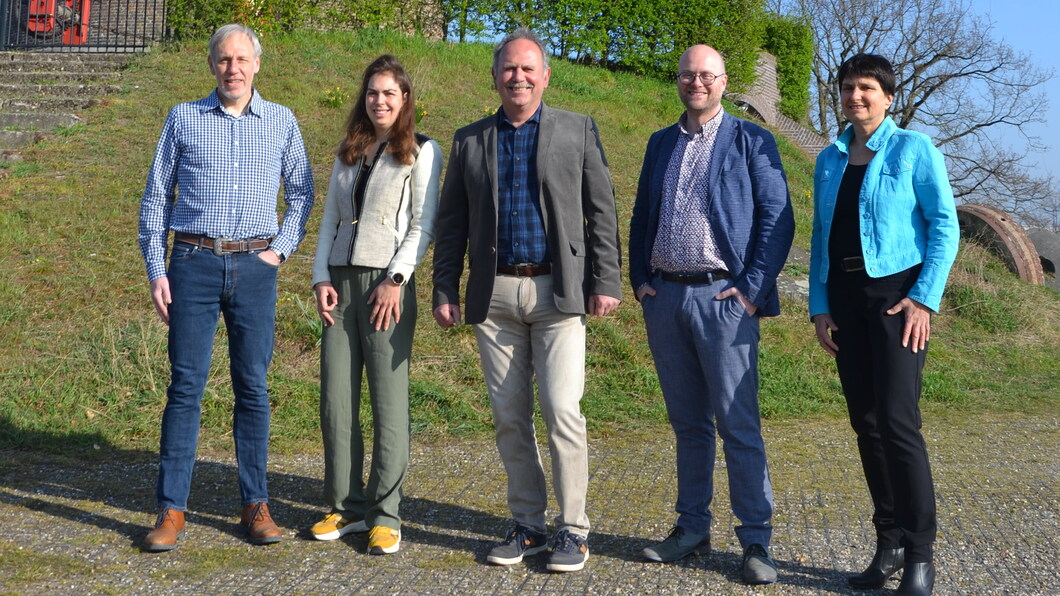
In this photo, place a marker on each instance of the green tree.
(790, 40)
(464, 19)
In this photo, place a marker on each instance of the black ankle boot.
(885, 563)
(918, 579)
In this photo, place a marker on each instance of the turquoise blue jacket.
(906, 211)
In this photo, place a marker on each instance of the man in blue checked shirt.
(227, 154)
(528, 199)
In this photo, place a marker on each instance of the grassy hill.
(83, 359)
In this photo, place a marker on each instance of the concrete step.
(11, 140)
(27, 62)
(49, 77)
(36, 120)
(48, 104)
(62, 90)
(68, 57)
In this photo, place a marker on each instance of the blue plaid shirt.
(520, 229)
(228, 170)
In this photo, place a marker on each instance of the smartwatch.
(397, 278)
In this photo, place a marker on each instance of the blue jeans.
(706, 354)
(241, 287)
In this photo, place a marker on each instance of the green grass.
(82, 356)
(28, 566)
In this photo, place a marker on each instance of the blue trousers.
(242, 288)
(706, 354)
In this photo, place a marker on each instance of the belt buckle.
(853, 264)
(218, 246)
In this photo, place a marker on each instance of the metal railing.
(81, 25)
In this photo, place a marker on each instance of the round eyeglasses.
(707, 78)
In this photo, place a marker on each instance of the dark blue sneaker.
(521, 542)
(569, 552)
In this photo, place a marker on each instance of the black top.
(845, 239)
(358, 189)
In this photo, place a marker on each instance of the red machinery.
(52, 18)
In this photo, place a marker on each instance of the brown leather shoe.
(259, 525)
(169, 528)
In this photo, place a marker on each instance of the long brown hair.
(360, 132)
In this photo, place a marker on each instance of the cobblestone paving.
(74, 528)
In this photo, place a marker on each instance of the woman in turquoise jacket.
(885, 235)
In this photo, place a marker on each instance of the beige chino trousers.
(525, 338)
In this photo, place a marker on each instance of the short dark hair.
(869, 65)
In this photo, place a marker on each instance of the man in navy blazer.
(528, 198)
(711, 229)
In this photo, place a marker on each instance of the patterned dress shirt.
(228, 170)
(685, 243)
(520, 227)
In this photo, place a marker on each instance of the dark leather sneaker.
(758, 566)
(520, 542)
(678, 545)
(569, 552)
(169, 528)
(259, 525)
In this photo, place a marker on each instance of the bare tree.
(956, 82)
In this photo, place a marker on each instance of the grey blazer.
(577, 205)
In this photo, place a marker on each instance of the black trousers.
(882, 381)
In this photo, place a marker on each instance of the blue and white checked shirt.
(228, 171)
(520, 229)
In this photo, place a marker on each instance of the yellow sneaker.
(334, 525)
(383, 540)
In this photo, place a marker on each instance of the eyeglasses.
(708, 78)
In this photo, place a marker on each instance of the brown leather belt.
(707, 277)
(525, 269)
(222, 246)
(852, 264)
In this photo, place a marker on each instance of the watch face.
(397, 278)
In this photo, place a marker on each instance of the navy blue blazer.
(748, 205)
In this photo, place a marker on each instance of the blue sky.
(1029, 26)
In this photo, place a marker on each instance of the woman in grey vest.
(377, 223)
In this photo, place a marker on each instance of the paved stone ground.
(73, 528)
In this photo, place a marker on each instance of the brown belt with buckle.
(852, 264)
(525, 269)
(222, 246)
(707, 277)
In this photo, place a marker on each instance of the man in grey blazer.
(711, 229)
(528, 197)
